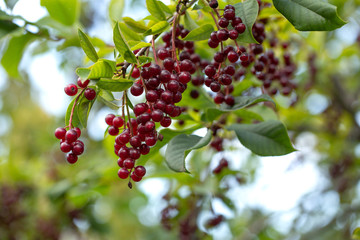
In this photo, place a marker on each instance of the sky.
(280, 182)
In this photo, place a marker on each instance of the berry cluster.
(69, 143)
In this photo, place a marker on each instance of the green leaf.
(356, 234)
(140, 45)
(6, 24)
(180, 146)
(155, 10)
(201, 33)
(87, 46)
(116, 8)
(265, 139)
(190, 24)
(309, 15)
(63, 11)
(75, 120)
(100, 69)
(165, 8)
(135, 25)
(107, 97)
(157, 28)
(128, 34)
(122, 46)
(248, 12)
(144, 60)
(83, 110)
(115, 85)
(14, 52)
(244, 101)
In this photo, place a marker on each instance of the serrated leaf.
(189, 23)
(159, 27)
(180, 146)
(201, 33)
(75, 119)
(116, 8)
(155, 10)
(135, 25)
(248, 12)
(114, 85)
(14, 52)
(87, 46)
(63, 11)
(309, 15)
(122, 46)
(244, 101)
(264, 139)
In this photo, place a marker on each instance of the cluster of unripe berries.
(70, 143)
(89, 93)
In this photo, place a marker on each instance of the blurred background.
(313, 193)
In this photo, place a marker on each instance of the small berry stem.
(73, 108)
(128, 113)
(153, 47)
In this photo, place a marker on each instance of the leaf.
(128, 34)
(83, 110)
(155, 10)
(75, 120)
(356, 234)
(122, 46)
(87, 46)
(157, 28)
(165, 8)
(190, 24)
(144, 60)
(14, 52)
(100, 69)
(135, 25)
(245, 101)
(248, 12)
(140, 45)
(107, 97)
(309, 15)
(180, 146)
(264, 139)
(201, 33)
(63, 11)
(116, 8)
(115, 85)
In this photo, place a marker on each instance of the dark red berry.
(71, 136)
(71, 89)
(210, 70)
(184, 77)
(78, 131)
(157, 115)
(222, 35)
(136, 89)
(213, 4)
(118, 122)
(194, 93)
(60, 133)
(109, 119)
(71, 158)
(229, 100)
(129, 163)
(135, 178)
(229, 14)
(140, 171)
(223, 22)
(166, 122)
(240, 28)
(134, 153)
(163, 53)
(78, 149)
(123, 173)
(83, 84)
(140, 108)
(113, 131)
(135, 73)
(219, 98)
(236, 21)
(151, 96)
(144, 149)
(233, 34)
(213, 44)
(65, 147)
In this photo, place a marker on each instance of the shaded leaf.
(155, 10)
(135, 25)
(201, 33)
(309, 15)
(157, 28)
(265, 139)
(190, 24)
(100, 69)
(63, 11)
(122, 46)
(244, 101)
(115, 85)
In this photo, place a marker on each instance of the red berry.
(219, 98)
(123, 173)
(71, 89)
(233, 34)
(240, 28)
(135, 141)
(135, 73)
(120, 162)
(78, 131)
(136, 89)
(229, 100)
(144, 149)
(71, 158)
(157, 115)
(135, 178)
(163, 53)
(129, 163)
(134, 153)
(222, 34)
(118, 122)
(210, 70)
(109, 119)
(113, 131)
(215, 86)
(213, 4)
(151, 96)
(166, 122)
(124, 152)
(78, 149)
(229, 14)
(90, 94)
(184, 77)
(60, 133)
(140, 171)
(83, 84)
(65, 147)
(140, 108)
(223, 22)
(213, 44)
(71, 136)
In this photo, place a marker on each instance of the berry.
(184, 77)
(233, 34)
(140, 171)
(144, 149)
(135, 73)
(213, 44)
(134, 153)
(71, 90)
(166, 122)
(163, 53)
(222, 34)
(65, 147)
(78, 131)
(194, 94)
(82, 84)
(109, 119)
(240, 28)
(151, 96)
(118, 122)
(157, 115)
(113, 131)
(213, 4)
(60, 133)
(136, 89)
(236, 21)
(215, 86)
(135, 178)
(123, 173)
(90, 94)
(71, 158)
(219, 98)
(78, 149)
(210, 70)
(165, 76)
(129, 163)
(229, 100)
(135, 141)
(223, 22)
(71, 136)
(229, 14)
(140, 108)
